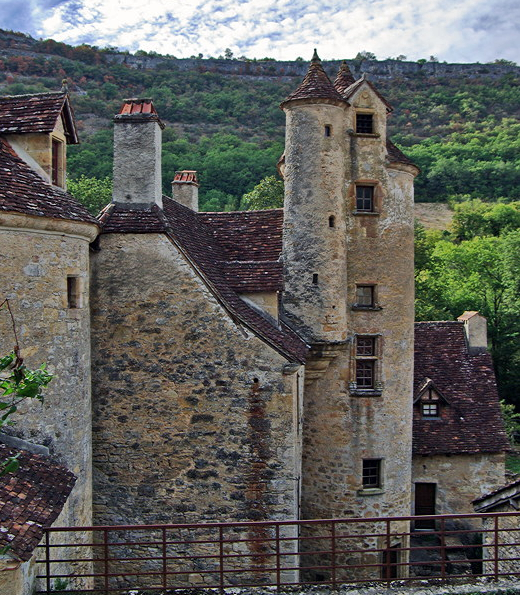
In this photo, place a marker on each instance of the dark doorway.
(425, 504)
(390, 568)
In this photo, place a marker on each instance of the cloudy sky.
(451, 30)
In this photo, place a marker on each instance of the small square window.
(365, 296)
(430, 409)
(372, 473)
(365, 123)
(365, 198)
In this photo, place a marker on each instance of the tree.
(93, 193)
(17, 384)
(267, 194)
(364, 55)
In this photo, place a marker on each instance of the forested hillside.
(459, 123)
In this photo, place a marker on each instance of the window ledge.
(375, 308)
(366, 392)
(370, 492)
(366, 213)
(365, 134)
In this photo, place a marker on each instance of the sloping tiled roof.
(344, 78)
(396, 155)
(30, 499)
(219, 250)
(23, 191)
(22, 114)
(315, 85)
(471, 422)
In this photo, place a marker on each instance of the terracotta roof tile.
(138, 110)
(220, 245)
(23, 191)
(315, 85)
(471, 422)
(22, 114)
(30, 499)
(186, 176)
(344, 78)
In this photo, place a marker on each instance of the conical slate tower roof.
(344, 78)
(315, 85)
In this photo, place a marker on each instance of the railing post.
(164, 561)
(278, 559)
(333, 549)
(105, 554)
(388, 554)
(496, 548)
(221, 558)
(47, 561)
(443, 549)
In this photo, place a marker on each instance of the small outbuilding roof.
(471, 422)
(30, 499)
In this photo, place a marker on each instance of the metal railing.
(164, 558)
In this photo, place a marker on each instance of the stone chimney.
(475, 328)
(137, 155)
(185, 189)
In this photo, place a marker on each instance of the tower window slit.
(332, 221)
(328, 130)
(315, 278)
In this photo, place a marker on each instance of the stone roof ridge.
(315, 86)
(344, 78)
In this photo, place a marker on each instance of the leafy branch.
(17, 383)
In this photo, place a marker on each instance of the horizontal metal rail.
(165, 558)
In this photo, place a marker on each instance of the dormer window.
(365, 123)
(430, 401)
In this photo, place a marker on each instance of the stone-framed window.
(364, 123)
(365, 296)
(372, 477)
(365, 362)
(58, 162)
(366, 371)
(73, 292)
(364, 198)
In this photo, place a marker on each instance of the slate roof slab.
(30, 499)
(22, 190)
(23, 114)
(471, 422)
(233, 252)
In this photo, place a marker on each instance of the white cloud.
(462, 31)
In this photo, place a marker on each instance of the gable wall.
(182, 432)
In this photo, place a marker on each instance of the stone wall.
(194, 419)
(35, 264)
(459, 478)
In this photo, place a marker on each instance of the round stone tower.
(348, 257)
(314, 251)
